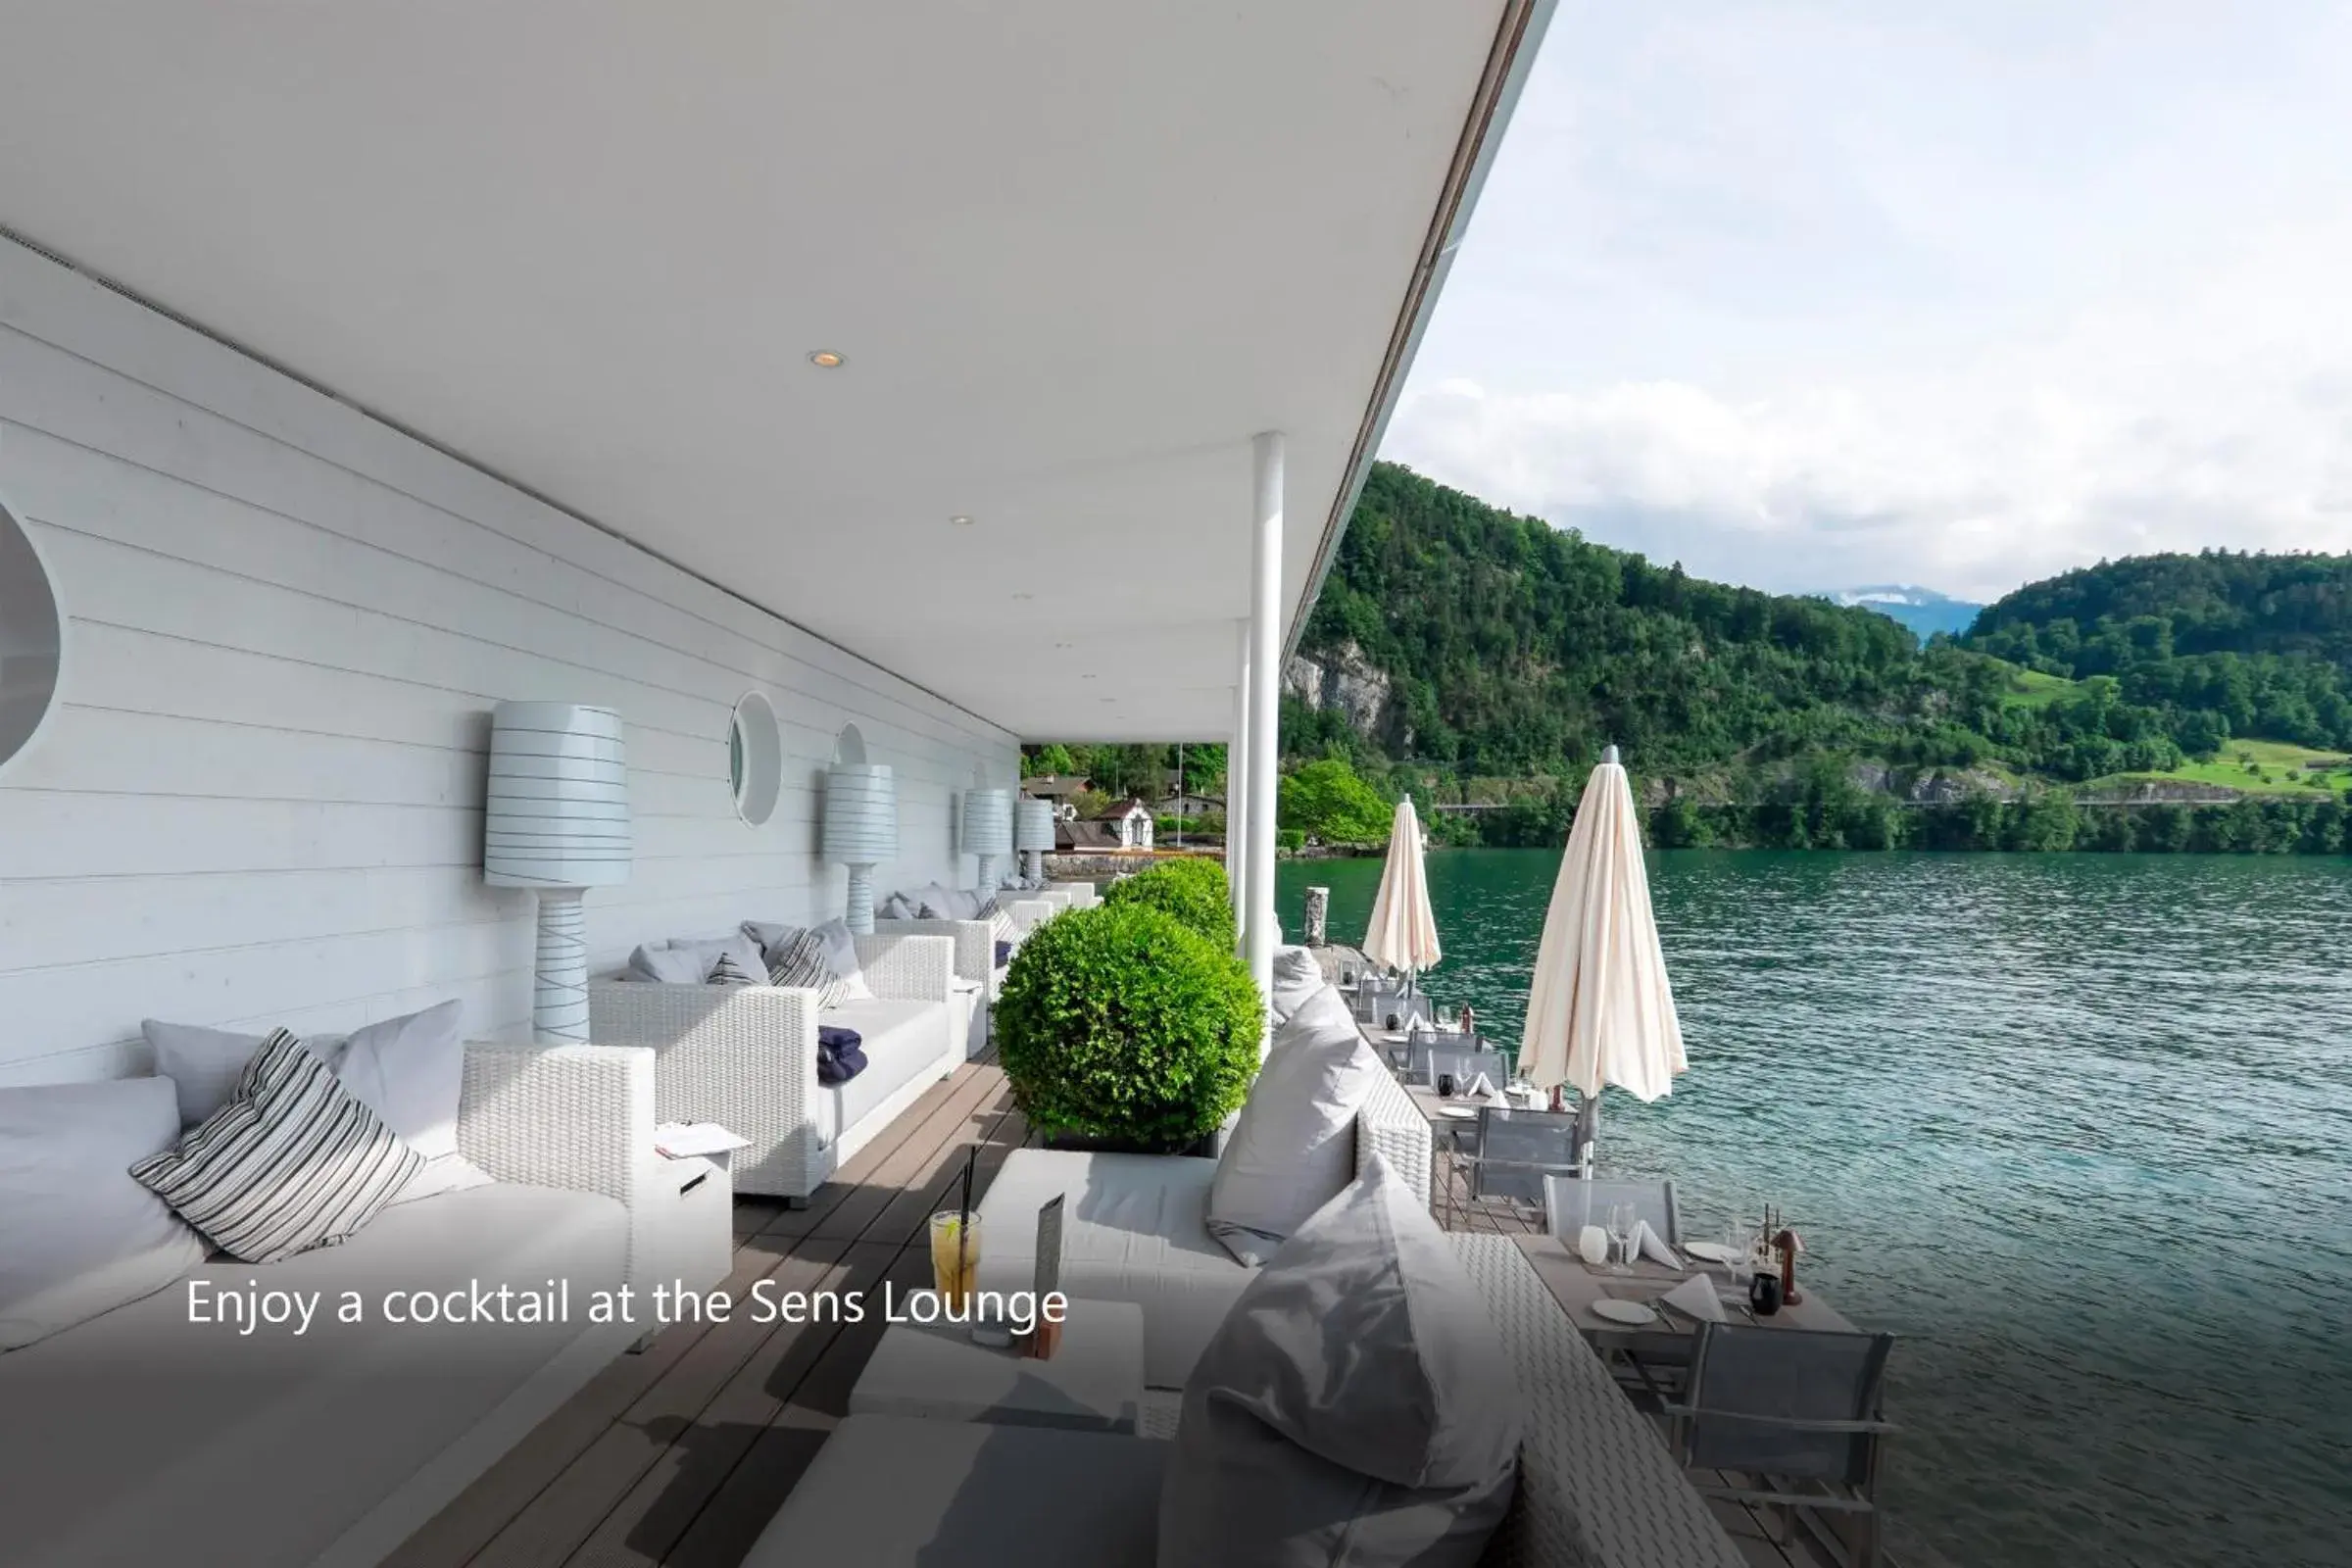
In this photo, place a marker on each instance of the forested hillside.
(2262, 643)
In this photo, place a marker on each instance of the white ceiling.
(1076, 253)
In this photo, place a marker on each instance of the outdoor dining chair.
(1513, 1154)
(1792, 1419)
(1573, 1201)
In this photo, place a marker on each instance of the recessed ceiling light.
(1061, 645)
(1024, 596)
(827, 360)
(960, 520)
(1085, 678)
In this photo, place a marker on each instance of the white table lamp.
(988, 831)
(557, 821)
(1033, 836)
(861, 821)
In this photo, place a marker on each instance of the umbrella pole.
(1587, 1129)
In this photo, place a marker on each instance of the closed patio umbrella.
(1403, 933)
(1601, 1010)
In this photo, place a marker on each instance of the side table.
(1094, 1382)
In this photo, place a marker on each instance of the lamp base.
(1033, 865)
(559, 1000)
(861, 912)
(987, 874)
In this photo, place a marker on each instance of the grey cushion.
(656, 961)
(1355, 1407)
(891, 1489)
(1296, 977)
(1293, 1147)
(77, 1235)
(406, 1069)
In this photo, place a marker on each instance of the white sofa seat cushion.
(165, 1440)
(892, 1490)
(901, 1041)
(78, 1236)
(1135, 1228)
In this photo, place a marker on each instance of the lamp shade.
(1033, 826)
(861, 814)
(558, 808)
(988, 821)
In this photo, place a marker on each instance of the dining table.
(1579, 1286)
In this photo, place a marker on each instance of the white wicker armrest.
(975, 941)
(1027, 914)
(578, 1117)
(742, 1055)
(1083, 894)
(1389, 1124)
(907, 968)
(1595, 1485)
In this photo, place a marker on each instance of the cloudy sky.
(1957, 292)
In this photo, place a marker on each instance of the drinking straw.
(963, 1217)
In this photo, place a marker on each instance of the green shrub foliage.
(1195, 891)
(1119, 1023)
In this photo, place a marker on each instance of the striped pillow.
(1000, 924)
(292, 1162)
(800, 960)
(728, 972)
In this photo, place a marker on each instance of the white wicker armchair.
(746, 1056)
(581, 1119)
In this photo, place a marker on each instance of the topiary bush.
(1118, 1026)
(1195, 890)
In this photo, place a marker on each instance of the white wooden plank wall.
(260, 799)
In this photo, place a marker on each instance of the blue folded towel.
(840, 1055)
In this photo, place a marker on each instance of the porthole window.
(755, 759)
(31, 637)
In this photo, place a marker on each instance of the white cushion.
(163, 1441)
(1356, 1406)
(78, 1236)
(657, 962)
(1293, 1147)
(1135, 1228)
(1296, 976)
(901, 1041)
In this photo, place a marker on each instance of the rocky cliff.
(1344, 680)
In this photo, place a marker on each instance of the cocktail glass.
(956, 1257)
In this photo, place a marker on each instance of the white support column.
(1237, 794)
(1265, 660)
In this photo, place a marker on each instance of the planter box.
(1205, 1147)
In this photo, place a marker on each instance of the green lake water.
(2079, 1128)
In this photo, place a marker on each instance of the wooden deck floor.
(680, 1455)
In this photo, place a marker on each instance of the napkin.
(1696, 1297)
(1648, 1244)
(1481, 1088)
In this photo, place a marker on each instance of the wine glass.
(1622, 1221)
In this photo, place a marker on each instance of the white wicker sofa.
(1596, 1487)
(1135, 1228)
(146, 1437)
(976, 947)
(746, 1056)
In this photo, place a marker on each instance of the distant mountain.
(1925, 611)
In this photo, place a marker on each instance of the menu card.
(1047, 1338)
